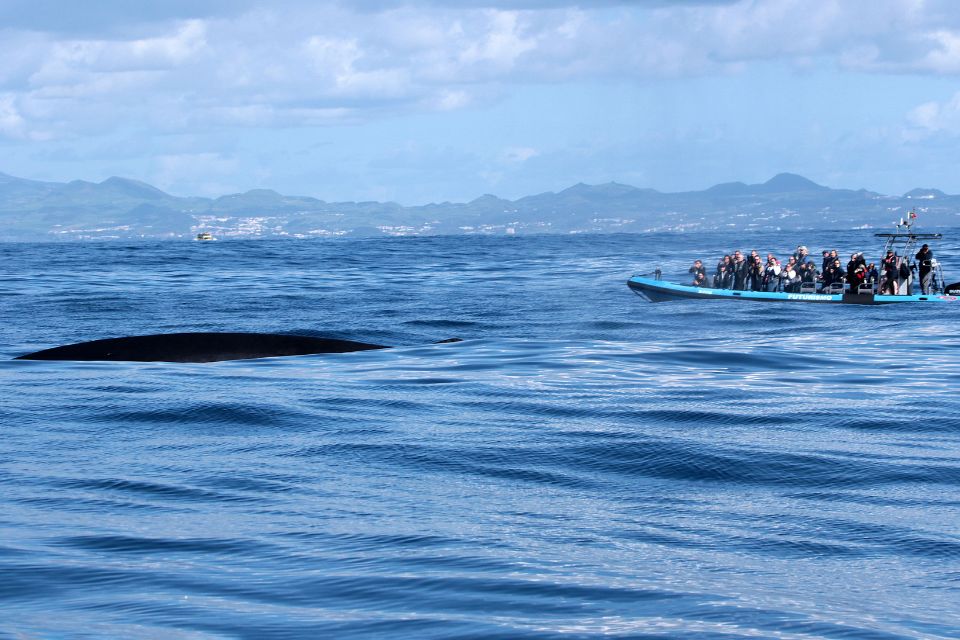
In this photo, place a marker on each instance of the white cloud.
(944, 56)
(198, 173)
(450, 100)
(502, 44)
(516, 155)
(12, 123)
(15, 124)
(936, 117)
(66, 60)
(301, 63)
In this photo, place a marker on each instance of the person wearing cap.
(925, 261)
(826, 260)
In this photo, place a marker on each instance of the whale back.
(198, 347)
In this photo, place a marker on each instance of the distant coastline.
(124, 209)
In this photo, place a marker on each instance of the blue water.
(584, 464)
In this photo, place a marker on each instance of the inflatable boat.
(655, 290)
(900, 245)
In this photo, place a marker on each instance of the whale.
(201, 347)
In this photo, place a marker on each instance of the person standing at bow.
(740, 271)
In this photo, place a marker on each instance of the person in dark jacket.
(856, 273)
(826, 260)
(755, 272)
(727, 280)
(833, 274)
(891, 273)
(739, 271)
(699, 273)
(851, 269)
(808, 273)
(839, 276)
(925, 262)
(721, 275)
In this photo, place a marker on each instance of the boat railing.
(937, 282)
(903, 243)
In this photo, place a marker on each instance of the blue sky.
(437, 100)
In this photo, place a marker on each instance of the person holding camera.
(891, 273)
(808, 273)
(771, 274)
(789, 279)
(856, 273)
(833, 275)
(755, 272)
(698, 271)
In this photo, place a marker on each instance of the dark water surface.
(583, 464)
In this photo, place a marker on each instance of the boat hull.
(661, 291)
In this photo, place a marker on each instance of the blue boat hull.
(660, 291)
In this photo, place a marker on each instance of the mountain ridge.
(118, 208)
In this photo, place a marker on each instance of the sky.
(437, 100)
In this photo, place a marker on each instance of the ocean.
(584, 464)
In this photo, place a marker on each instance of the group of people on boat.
(799, 273)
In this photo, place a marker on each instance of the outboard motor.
(952, 289)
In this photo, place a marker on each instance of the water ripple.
(583, 464)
